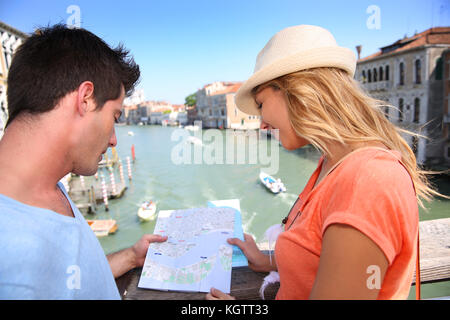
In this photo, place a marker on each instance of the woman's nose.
(264, 125)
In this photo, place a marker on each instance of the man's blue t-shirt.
(46, 255)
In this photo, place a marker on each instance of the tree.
(191, 100)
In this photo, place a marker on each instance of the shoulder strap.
(418, 268)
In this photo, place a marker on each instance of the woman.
(353, 231)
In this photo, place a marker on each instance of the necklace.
(286, 218)
(284, 221)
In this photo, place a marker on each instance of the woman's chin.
(290, 145)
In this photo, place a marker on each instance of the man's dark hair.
(55, 60)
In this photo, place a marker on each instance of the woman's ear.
(85, 98)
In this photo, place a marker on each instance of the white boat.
(194, 140)
(147, 211)
(192, 128)
(130, 133)
(274, 185)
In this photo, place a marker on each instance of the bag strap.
(418, 268)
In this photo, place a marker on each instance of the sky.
(183, 45)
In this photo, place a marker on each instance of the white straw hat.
(293, 49)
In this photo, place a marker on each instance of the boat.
(194, 140)
(103, 228)
(130, 133)
(147, 211)
(274, 185)
(192, 128)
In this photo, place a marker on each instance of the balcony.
(378, 86)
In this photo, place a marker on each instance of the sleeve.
(372, 197)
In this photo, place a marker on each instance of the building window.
(363, 76)
(387, 73)
(416, 110)
(369, 75)
(381, 74)
(439, 70)
(400, 110)
(375, 76)
(6, 58)
(402, 74)
(418, 65)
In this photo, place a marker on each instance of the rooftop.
(437, 35)
(231, 88)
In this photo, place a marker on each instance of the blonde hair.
(327, 104)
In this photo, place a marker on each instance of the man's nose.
(113, 139)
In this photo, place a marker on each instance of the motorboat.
(274, 185)
(192, 128)
(194, 140)
(147, 211)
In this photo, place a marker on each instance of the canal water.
(177, 175)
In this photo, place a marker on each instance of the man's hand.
(140, 248)
(130, 258)
(216, 294)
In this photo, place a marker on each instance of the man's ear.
(85, 98)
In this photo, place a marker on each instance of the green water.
(180, 186)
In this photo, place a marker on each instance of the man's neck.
(32, 161)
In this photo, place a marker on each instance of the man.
(65, 91)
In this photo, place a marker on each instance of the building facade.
(10, 40)
(216, 108)
(408, 75)
(154, 112)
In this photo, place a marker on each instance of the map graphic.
(196, 255)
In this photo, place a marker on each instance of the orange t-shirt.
(369, 190)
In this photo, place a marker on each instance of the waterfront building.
(192, 114)
(408, 74)
(135, 98)
(10, 40)
(154, 112)
(216, 107)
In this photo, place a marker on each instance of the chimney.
(358, 49)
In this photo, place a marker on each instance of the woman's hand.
(257, 261)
